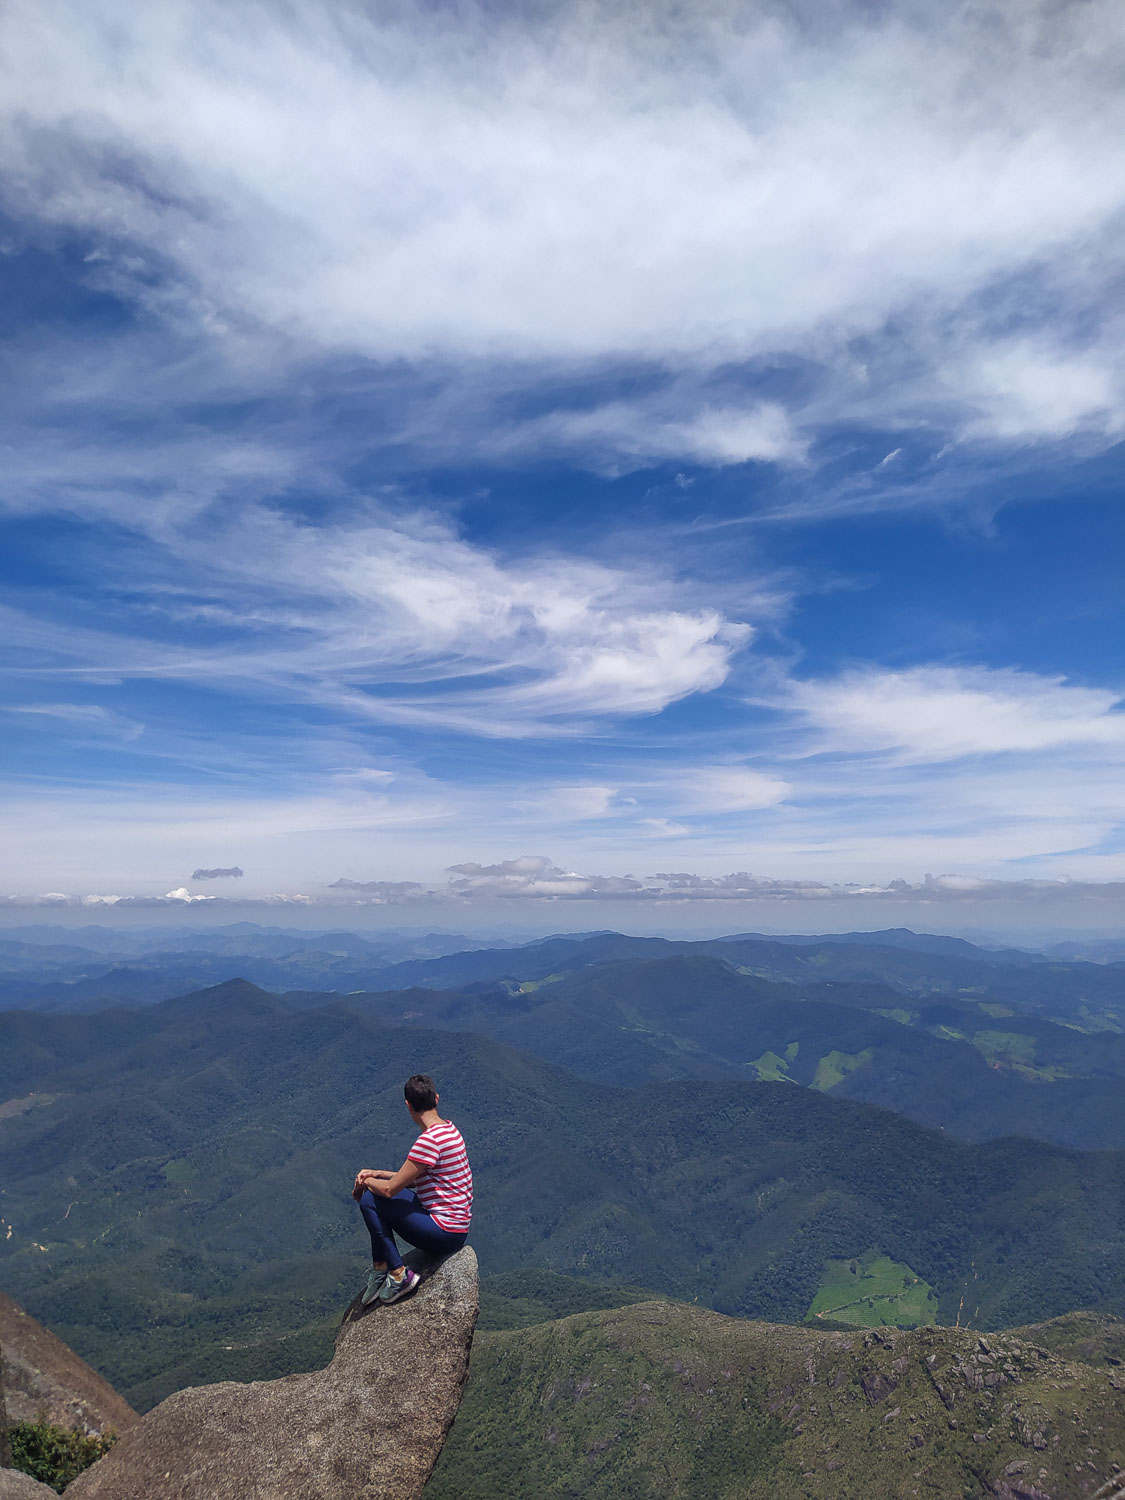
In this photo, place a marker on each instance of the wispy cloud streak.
(917, 204)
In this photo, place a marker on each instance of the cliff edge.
(369, 1426)
(42, 1376)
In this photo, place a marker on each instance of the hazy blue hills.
(43, 976)
(1091, 995)
(87, 968)
(177, 1188)
(903, 937)
(246, 938)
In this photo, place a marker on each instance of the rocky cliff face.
(13, 1485)
(368, 1427)
(43, 1377)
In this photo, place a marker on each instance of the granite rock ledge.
(370, 1426)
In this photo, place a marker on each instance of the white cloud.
(562, 803)
(347, 614)
(303, 817)
(665, 827)
(631, 434)
(389, 891)
(1024, 389)
(84, 720)
(683, 188)
(537, 877)
(943, 713)
(724, 789)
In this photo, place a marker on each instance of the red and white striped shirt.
(446, 1184)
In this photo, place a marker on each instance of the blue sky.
(662, 443)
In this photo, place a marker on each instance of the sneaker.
(394, 1291)
(370, 1291)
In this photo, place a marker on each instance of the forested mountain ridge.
(1080, 991)
(976, 1070)
(661, 1401)
(188, 1189)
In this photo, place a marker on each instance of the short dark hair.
(420, 1092)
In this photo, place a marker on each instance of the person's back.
(428, 1201)
(446, 1187)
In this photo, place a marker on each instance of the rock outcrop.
(17, 1486)
(5, 1445)
(369, 1426)
(44, 1378)
(666, 1399)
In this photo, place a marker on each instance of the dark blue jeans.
(404, 1214)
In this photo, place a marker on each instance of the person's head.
(420, 1093)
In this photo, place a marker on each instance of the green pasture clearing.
(1006, 1046)
(1016, 1050)
(947, 1033)
(834, 1067)
(872, 1291)
(1101, 1020)
(903, 1017)
(181, 1172)
(771, 1069)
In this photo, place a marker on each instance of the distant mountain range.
(176, 1180)
(51, 977)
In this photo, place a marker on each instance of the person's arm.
(366, 1173)
(387, 1184)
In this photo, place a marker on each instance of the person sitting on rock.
(428, 1201)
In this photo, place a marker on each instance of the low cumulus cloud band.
(535, 878)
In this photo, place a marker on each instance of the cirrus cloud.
(937, 713)
(569, 190)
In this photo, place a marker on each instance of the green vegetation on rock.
(55, 1455)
